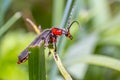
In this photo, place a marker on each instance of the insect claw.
(56, 56)
(49, 53)
(55, 50)
(55, 53)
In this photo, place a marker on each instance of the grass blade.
(66, 13)
(10, 22)
(36, 63)
(57, 11)
(4, 5)
(98, 60)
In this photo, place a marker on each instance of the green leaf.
(57, 11)
(100, 11)
(36, 62)
(85, 46)
(98, 60)
(65, 17)
(10, 22)
(4, 5)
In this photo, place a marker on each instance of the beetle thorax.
(56, 31)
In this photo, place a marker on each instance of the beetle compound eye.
(69, 36)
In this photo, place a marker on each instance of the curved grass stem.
(60, 66)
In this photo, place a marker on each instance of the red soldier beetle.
(49, 36)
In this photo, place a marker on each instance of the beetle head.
(68, 30)
(69, 35)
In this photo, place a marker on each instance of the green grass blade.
(66, 14)
(10, 22)
(98, 60)
(57, 11)
(4, 5)
(36, 62)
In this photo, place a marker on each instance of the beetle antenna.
(72, 24)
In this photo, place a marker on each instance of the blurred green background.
(99, 35)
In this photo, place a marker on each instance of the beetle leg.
(49, 53)
(55, 50)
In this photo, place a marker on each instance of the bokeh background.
(99, 34)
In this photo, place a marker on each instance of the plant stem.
(60, 66)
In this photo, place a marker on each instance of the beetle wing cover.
(36, 42)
